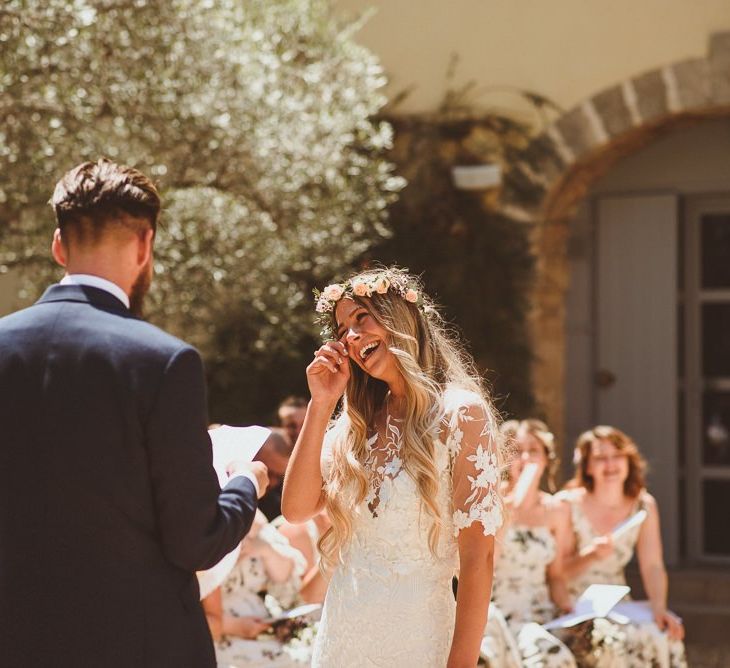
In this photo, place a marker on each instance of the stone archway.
(571, 154)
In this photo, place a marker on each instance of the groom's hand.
(256, 469)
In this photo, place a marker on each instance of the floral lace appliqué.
(384, 463)
(475, 470)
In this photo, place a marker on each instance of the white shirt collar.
(97, 282)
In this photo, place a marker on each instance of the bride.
(408, 474)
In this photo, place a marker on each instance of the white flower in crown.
(333, 292)
(381, 285)
(324, 305)
(361, 289)
(411, 296)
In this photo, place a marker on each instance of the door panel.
(636, 341)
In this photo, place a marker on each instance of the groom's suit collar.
(84, 294)
(96, 282)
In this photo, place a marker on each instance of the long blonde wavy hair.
(431, 361)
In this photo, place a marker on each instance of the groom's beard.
(139, 290)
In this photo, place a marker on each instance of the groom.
(108, 499)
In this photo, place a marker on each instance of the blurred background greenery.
(263, 124)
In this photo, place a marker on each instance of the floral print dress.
(608, 644)
(390, 602)
(521, 595)
(243, 594)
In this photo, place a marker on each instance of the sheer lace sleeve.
(475, 469)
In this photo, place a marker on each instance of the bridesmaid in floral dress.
(609, 488)
(236, 611)
(529, 587)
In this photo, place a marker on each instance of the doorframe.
(694, 206)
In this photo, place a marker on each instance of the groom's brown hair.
(95, 196)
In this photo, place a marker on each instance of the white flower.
(411, 296)
(360, 289)
(453, 446)
(486, 478)
(333, 292)
(381, 285)
(393, 467)
(491, 520)
(324, 305)
(482, 458)
(461, 521)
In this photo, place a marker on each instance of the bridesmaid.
(529, 587)
(305, 538)
(608, 488)
(236, 611)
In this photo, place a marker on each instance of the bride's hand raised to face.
(328, 374)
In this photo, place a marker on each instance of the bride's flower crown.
(380, 283)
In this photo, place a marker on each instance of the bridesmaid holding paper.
(613, 515)
(529, 588)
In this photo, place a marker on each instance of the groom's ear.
(145, 246)
(58, 249)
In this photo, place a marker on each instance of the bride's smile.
(366, 341)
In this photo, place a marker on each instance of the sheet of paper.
(523, 484)
(635, 520)
(235, 444)
(301, 611)
(596, 601)
(229, 444)
(638, 612)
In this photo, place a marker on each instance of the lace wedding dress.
(390, 602)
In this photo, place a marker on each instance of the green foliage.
(475, 261)
(253, 116)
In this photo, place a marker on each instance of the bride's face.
(366, 341)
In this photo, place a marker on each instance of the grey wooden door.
(636, 337)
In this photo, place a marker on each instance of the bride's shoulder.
(458, 399)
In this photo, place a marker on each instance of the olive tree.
(255, 117)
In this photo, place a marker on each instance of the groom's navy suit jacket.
(108, 498)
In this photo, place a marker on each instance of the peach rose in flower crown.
(411, 296)
(360, 289)
(333, 292)
(381, 285)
